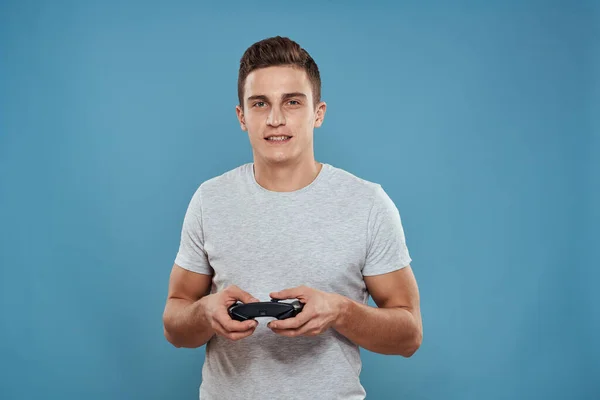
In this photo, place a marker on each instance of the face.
(278, 101)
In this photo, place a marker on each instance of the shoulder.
(227, 179)
(220, 185)
(363, 194)
(356, 186)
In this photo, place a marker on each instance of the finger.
(239, 335)
(291, 323)
(218, 328)
(241, 295)
(305, 330)
(231, 325)
(233, 335)
(292, 293)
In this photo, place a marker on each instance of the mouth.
(276, 140)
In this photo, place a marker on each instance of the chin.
(278, 158)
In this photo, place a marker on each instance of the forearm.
(380, 330)
(185, 323)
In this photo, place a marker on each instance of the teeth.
(278, 137)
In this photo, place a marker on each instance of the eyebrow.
(285, 96)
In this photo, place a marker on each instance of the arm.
(393, 328)
(184, 319)
(192, 316)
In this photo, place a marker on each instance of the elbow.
(179, 340)
(168, 335)
(170, 338)
(413, 345)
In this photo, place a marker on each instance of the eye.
(259, 104)
(294, 102)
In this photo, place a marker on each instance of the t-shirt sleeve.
(386, 244)
(191, 254)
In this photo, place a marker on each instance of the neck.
(288, 177)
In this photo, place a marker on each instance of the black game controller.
(273, 308)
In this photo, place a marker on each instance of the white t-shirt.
(327, 235)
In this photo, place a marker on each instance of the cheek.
(254, 127)
(300, 122)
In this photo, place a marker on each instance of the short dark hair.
(278, 51)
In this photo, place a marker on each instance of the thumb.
(243, 296)
(292, 293)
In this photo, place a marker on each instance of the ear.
(320, 114)
(240, 116)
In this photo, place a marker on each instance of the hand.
(216, 309)
(320, 312)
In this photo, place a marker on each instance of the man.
(289, 227)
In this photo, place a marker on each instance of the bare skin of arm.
(395, 327)
(192, 316)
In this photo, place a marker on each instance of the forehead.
(274, 81)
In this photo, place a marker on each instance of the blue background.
(480, 120)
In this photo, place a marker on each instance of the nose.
(275, 117)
